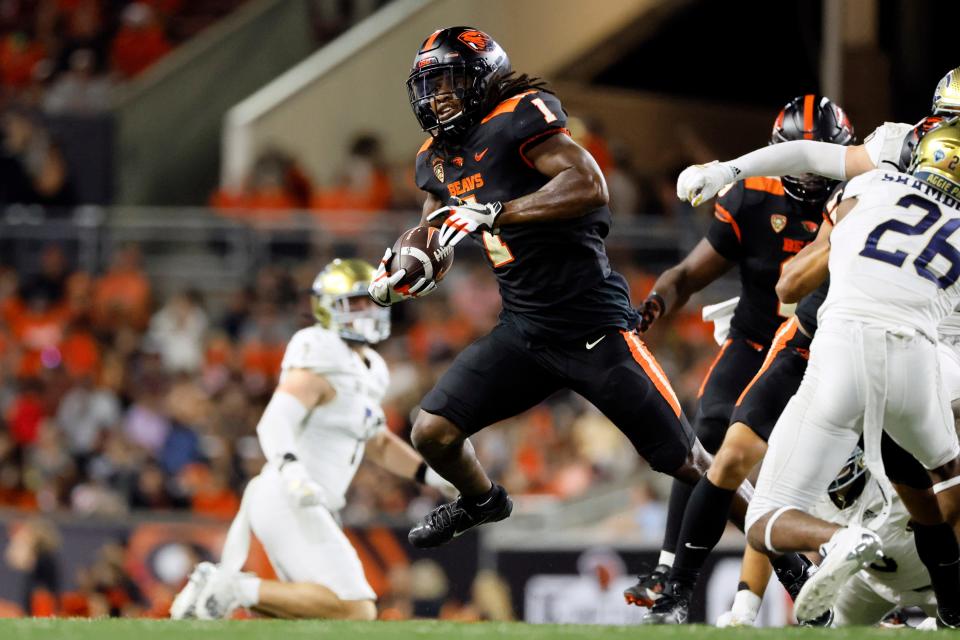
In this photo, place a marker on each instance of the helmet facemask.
(808, 187)
(849, 484)
(445, 99)
(354, 316)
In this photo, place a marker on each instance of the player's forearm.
(389, 452)
(569, 194)
(792, 158)
(803, 274)
(675, 286)
(279, 425)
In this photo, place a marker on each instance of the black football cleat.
(672, 607)
(794, 581)
(648, 588)
(453, 519)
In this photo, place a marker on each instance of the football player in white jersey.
(324, 416)
(873, 369)
(888, 147)
(896, 580)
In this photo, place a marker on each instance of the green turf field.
(420, 630)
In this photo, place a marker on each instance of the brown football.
(418, 251)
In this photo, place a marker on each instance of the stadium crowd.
(113, 400)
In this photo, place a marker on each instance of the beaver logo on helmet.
(476, 40)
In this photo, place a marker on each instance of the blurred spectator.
(32, 169)
(32, 552)
(363, 184)
(19, 54)
(276, 183)
(589, 134)
(26, 413)
(51, 281)
(178, 330)
(79, 90)
(85, 414)
(122, 295)
(152, 490)
(139, 42)
(622, 182)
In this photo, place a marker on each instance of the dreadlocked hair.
(511, 84)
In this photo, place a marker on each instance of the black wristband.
(287, 457)
(421, 475)
(656, 297)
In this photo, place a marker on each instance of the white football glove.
(383, 289)
(700, 182)
(461, 220)
(438, 482)
(302, 490)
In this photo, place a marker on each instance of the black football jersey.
(759, 227)
(555, 279)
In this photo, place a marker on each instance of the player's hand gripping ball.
(459, 221)
(412, 267)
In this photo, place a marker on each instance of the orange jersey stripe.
(808, 116)
(652, 368)
(507, 106)
(770, 185)
(426, 145)
(722, 214)
(723, 348)
(784, 334)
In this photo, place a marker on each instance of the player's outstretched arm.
(576, 185)
(300, 391)
(698, 183)
(674, 287)
(807, 270)
(390, 452)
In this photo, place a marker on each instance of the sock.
(482, 499)
(666, 557)
(746, 604)
(938, 550)
(679, 496)
(703, 525)
(248, 588)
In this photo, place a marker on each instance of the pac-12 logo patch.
(438, 169)
(778, 221)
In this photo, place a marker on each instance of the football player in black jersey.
(499, 166)
(759, 224)
(804, 282)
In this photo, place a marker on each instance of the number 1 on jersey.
(548, 115)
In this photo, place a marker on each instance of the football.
(418, 251)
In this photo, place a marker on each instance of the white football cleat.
(733, 619)
(848, 551)
(184, 605)
(219, 597)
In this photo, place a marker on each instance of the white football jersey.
(901, 568)
(895, 258)
(333, 435)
